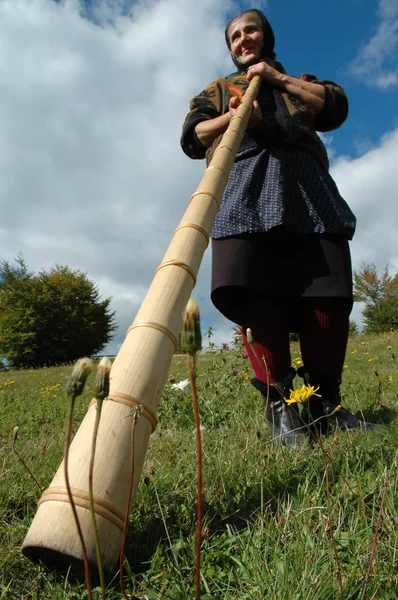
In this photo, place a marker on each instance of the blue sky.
(94, 94)
(326, 38)
(330, 44)
(327, 41)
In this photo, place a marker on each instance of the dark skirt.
(278, 266)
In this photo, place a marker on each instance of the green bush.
(380, 295)
(50, 318)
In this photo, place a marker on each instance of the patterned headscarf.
(267, 51)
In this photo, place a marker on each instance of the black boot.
(325, 413)
(283, 420)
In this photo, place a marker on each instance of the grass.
(266, 532)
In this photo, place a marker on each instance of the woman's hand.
(310, 94)
(208, 130)
(234, 105)
(256, 115)
(266, 72)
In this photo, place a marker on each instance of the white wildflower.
(181, 385)
(202, 429)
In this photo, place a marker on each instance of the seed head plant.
(101, 391)
(191, 342)
(74, 388)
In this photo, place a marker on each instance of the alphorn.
(138, 376)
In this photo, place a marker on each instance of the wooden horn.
(138, 376)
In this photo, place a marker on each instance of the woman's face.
(246, 38)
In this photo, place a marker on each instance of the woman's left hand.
(309, 93)
(266, 72)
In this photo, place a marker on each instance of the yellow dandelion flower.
(302, 395)
(389, 347)
(354, 351)
(345, 367)
(363, 343)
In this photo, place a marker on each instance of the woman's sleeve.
(207, 105)
(335, 108)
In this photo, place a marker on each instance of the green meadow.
(278, 524)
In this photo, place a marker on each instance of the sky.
(93, 97)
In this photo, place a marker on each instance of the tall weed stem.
(136, 415)
(70, 496)
(21, 459)
(91, 498)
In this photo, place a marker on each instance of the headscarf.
(267, 51)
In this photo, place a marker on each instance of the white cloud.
(370, 186)
(388, 9)
(327, 139)
(91, 172)
(377, 59)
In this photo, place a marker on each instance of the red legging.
(323, 326)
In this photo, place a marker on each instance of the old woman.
(280, 242)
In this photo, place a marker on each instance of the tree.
(380, 295)
(52, 317)
(353, 329)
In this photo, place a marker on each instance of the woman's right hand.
(256, 116)
(234, 104)
(208, 130)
